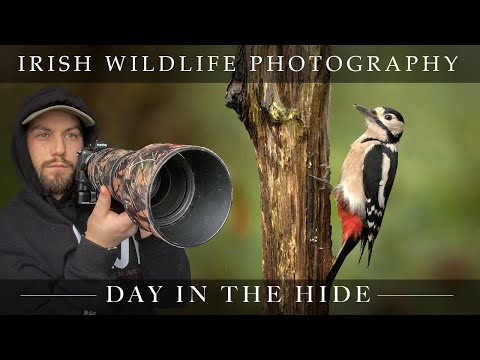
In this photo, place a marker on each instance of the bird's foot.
(325, 179)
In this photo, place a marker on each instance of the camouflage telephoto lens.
(180, 193)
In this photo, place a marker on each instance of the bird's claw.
(325, 179)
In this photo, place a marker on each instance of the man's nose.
(58, 146)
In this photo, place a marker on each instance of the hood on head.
(45, 99)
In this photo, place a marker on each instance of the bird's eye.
(388, 117)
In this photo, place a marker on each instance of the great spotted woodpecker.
(366, 180)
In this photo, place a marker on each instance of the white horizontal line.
(57, 295)
(424, 295)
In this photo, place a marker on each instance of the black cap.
(55, 98)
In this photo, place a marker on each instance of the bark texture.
(286, 115)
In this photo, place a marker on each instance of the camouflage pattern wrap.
(129, 177)
(102, 170)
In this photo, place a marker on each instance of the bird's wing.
(379, 171)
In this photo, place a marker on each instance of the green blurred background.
(430, 230)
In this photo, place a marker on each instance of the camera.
(180, 193)
(86, 193)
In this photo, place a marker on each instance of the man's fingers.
(126, 223)
(124, 219)
(104, 201)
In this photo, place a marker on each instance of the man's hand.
(105, 227)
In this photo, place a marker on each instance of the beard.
(57, 183)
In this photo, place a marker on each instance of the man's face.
(53, 140)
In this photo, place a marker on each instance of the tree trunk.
(286, 115)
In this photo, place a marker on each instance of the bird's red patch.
(351, 225)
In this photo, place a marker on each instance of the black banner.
(238, 297)
(216, 63)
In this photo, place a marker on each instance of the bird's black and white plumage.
(366, 180)
(379, 171)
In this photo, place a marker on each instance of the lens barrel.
(180, 193)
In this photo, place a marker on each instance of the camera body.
(86, 193)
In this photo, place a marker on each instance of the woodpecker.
(366, 180)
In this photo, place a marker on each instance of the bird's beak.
(368, 113)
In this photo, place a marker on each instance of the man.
(46, 236)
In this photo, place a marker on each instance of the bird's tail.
(362, 248)
(347, 247)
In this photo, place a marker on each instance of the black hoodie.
(42, 247)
